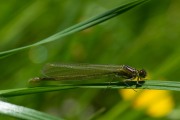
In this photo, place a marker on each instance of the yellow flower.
(157, 103)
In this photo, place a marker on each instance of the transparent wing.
(78, 71)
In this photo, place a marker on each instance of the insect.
(58, 72)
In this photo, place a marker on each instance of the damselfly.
(58, 72)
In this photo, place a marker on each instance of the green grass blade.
(81, 26)
(23, 113)
(149, 84)
(26, 91)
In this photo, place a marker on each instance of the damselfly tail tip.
(33, 80)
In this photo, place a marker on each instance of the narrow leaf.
(23, 113)
(148, 84)
(81, 26)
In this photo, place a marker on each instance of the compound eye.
(142, 73)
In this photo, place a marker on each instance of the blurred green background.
(145, 37)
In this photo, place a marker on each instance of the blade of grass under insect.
(26, 91)
(149, 85)
(23, 113)
(81, 26)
